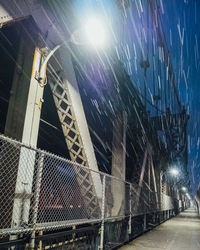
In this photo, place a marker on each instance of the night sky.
(181, 17)
(133, 39)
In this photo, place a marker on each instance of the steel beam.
(45, 15)
(75, 129)
(119, 162)
(23, 124)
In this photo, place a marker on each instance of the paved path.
(180, 233)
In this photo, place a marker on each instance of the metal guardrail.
(40, 191)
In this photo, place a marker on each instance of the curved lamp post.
(92, 33)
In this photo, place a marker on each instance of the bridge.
(93, 129)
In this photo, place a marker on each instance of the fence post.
(130, 210)
(102, 213)
(145, 222)
(36, 198)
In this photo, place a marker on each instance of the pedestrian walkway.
(179, 233)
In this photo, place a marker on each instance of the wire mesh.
(166, 202)
(143, 200)
(117, 198)
(42, 191)
(17, 164)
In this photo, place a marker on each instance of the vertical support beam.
(155, 183)
(23, 124)
(145, 222)
(29, 136)
(119, 162)
(149, 182)
(130, 209)
(102, 213)
(158, 171)
(154, 218)
(36, 198)
(141, 177)
(26, 99)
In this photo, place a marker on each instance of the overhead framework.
(172, 123)
(175, 128)
(162, 43)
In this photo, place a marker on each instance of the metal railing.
(40, 191)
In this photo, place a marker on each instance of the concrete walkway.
(180, 233)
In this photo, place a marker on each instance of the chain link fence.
(40, 191)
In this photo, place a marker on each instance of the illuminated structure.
(84, 106)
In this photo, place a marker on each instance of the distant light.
(174, 171)
(184, 188)
(188, 196)
(95, 32)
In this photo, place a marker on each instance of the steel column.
(119, 161)
(102, 214)
(23, 124)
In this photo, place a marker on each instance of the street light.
(93, 32)
(174, 171)
(184, 189)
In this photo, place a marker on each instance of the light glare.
(188, 196)
(95, 32)
(184, 188)
(174, 171)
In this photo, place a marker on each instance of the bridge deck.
(179, 233)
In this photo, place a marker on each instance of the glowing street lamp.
(184, 189)
(95, 32)
(174, 171)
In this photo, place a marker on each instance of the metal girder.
(51, 27)
(119, 161)
(23, 124)
(67, 100)
(175, 128)
(68, 122)
(163, 44)
(11, 11)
